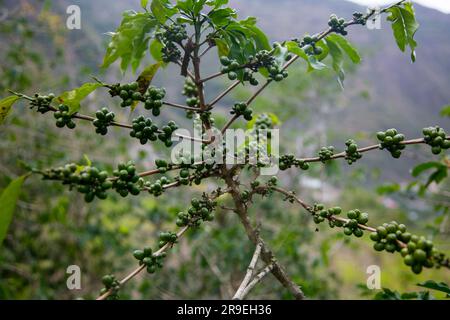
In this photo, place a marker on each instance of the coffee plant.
(182, 32)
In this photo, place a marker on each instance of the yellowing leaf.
(6, 105)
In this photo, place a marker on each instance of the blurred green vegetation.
(54, 228)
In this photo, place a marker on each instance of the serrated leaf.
(8, 202)
(346, 46)
(6, 105)
(73, 98)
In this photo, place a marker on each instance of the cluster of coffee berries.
(436, 137)
(153, 99)
(126, 179)
(175, 33)
(392, 237)
(89, 181)
(242, 109)
(169, 37)
(266, 60)
(166, 133)
(191, 92)
(352, 154)
(111, 284)
(150, 260)
(199, 210)
(309, 45)
(157, 188)
(289, 160)
(359, 18)
(42, 103)
(129, 93)
(104, 119)
(264, 122)
(184, 176)
(326, 153)
(337, 25)
(356, 219)
(64, 118)
(144, 130)
(230, 66)
(249, 76)
(189, 88)
(167, 237)
(321, 214)
(391, 140)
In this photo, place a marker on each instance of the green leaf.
(346, 46)
(155, 50)
(162, 10)
(131, 40)
(144, 4)
(338, 59)
(222, 47)
(222, 16)
(8, 202)
(431, 284)
(216, 3)
(6, 106)
(73, 98)
(388, 188)
(313, 62)
(445, 112)
(404, 26)
(421, 168)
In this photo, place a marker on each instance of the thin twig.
(249, 274)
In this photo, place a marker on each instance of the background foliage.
(53, 228)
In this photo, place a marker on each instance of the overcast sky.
(442, 5)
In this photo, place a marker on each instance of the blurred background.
(54, 228)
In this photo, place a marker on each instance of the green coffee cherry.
(391, 140)
(326, 153)
(153, 99)
(126, 180)
(144, 130)
(111, 284)
(352, 154)
(169, 37)
(104, 119)
(89, 181)
(436, 137)
(242, 109)
(417, 252)
(64, 118)
(337, 25)
(42, 103)
(157, 188)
